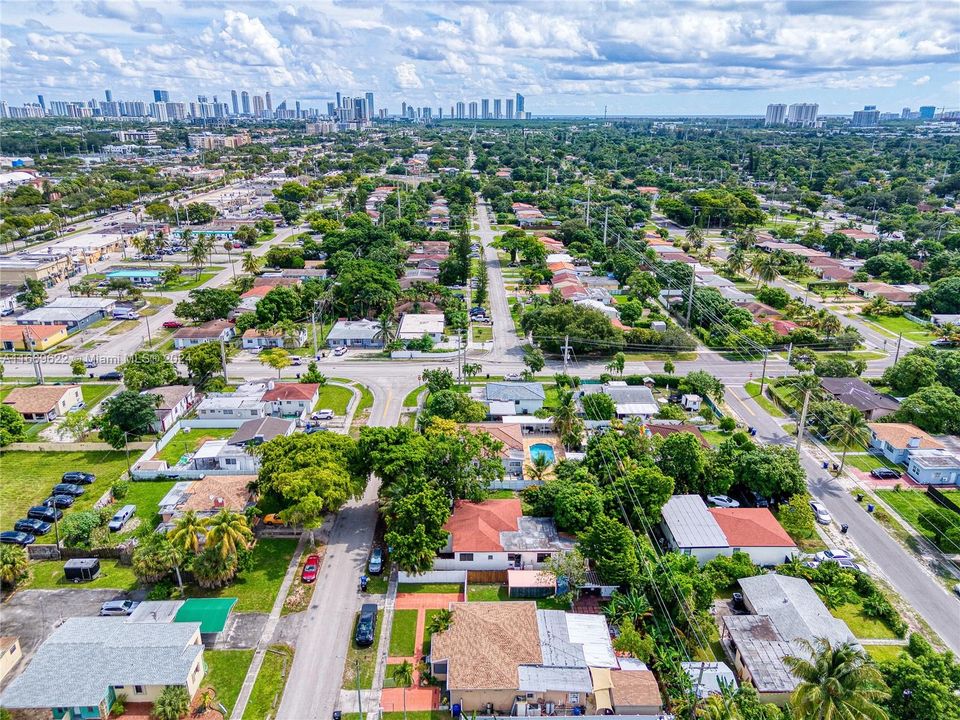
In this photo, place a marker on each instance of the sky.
(630, 57)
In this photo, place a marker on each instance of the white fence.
(419, 355)
(433, 576)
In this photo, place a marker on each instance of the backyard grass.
(28, 477)
(403, 633)
(186, 282)
(909, 504)
(501, 494)
(226, 670)
(482, 333)
(366, 657)
(146, 495)
(484, 592)
(268, 689)
(861, 625)
(715, 437)
(753, 390)
(334, 397)
(429, 588)
(92, 394)
(879, 653)
(256, 588)
(411, 399)
(428, 617)
(48, 575)
(867, 462)
(896, 325)
(188, 442)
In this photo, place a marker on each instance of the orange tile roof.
(510, 435)
(476, 527)
(258, 291)
(14, 333)
(291, 391)
(899, 434)
(751, 527)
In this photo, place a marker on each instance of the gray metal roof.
(86, 655)
(54, 314)
(555, 646)
(762, 650)
(536, 678)
(515, 391)
(354, 330)
(691, 524)
(267, 428)
(534, 534)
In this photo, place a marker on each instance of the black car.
(60, 501)
(67, 489)
(78, 478)
(11, 537)
(32, 526)
(363, 637)
(112, 375)
(885, 473)
(42, 512)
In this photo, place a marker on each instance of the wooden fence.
(483, 577)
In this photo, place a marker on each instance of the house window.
(543, 557)
(13, 649)
(138, 690)
(445, 556)
(489, 557)
(573, 698)
(466, 557)
(228, 412)
(230, 461)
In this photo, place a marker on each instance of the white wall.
(487, 561)
(433, 576)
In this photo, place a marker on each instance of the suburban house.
(414, 326)
(79, 671)
(175, 401)
(631, 400)
(709, 678)
(692, 528)
(784, 610)
(43, 403)
(292, 399)
(630, 690)
(212, 331)
(511, 658)
(856, 393)
(496, 535)
(74, 318)
(31, 337)
(934, 467)
(224, 406)
(231, 455)
(355, 333)
(511, 436)
(253, 338)
(901, 442)
(892, 294)
(207, 496)
(138, 276)
(513, 398)
(10, 654)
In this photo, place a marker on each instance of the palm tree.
(13, 564)
(250, 263)
(198, 253)
(228, 531)
(805, 384)
(617, 363)
(440, 622)
(765, 267)
(850, 429)
(538, 469)
(736, 261)
(189, 532)
(831, 325)
(721, 707)
(386, 329)
(695, 236)
(402, 676)
(566, 422)
(173, 703)
(632, 606)
(837, 682)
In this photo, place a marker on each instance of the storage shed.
(81, 569)
(530, 584)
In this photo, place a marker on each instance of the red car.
(173, 324)
(310, 570)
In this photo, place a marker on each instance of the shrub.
(77, 528)
(119, 706)
(727, 424)
(173, 703)
(161, 591)
(119, 489)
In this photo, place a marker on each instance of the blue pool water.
(541, 449)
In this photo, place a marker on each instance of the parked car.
(820, 513)
(90, 364)
(173, 324)
(78, 478)
(68, 489)
(341, 350)
(376, 561)
(832, 554)
(850, 565)
(323, 414)
(311, 568)
(758, 500)
(121, 517)
(943, 343)
(885, 473)
(34, 527)
(513, 377)
(118, 607)
(60, 501)
(12, 537)
(311, 429)
(273, 520)
(723, 501)
(129, 315)
(112, 375)
(363, 636)
(296, 360)
(42, 512)
(78, 406)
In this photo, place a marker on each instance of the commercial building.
(213, 141)
(44, 403)
(31, 337)
(46, 268)
(868, 117)
(74, 318)
(776, 114)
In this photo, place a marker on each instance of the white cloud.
(243, 40)
(406, 76)
(922, 80)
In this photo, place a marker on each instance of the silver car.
(820, 513)
(722, 501)
(118, 607)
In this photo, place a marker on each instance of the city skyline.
(629, 59)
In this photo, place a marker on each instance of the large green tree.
(126, 416)
(415, 523)
(934, 408)
(207, 304)
(611, 547)
(147, 369)
(683, 458)
(12, 427)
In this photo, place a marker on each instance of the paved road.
(506, 344)
(927, 596)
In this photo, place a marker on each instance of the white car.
(820, 513)
(118, 607)
(832, 554)
(722, 501)
(513, 377)
(340, 351)
(323, 414)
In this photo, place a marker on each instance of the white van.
(120, 518)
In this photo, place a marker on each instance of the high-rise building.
(108, 95)
(509, 112)
(927, 112)
(43, 105)
(245, 102)
(234, 103)
(161, 96)
(803, 114)
(776, 114)
(461, 110)
(158, 111)
(403, 109)
(338, 99)
(371, 108)
(496, 109)
(176, 111)
(868, 117)
(520, 110)
(297, 106)
(331, 109)
(485, 108)
(426, 113)
(472, 110)
(258, 106)
(905, 113)
(269, 100)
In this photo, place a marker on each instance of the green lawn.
(268, 689)
(896, 325)
(867, 462)
(226, 670)
(188, 442)
(256, 589)
(501, 494)
(366, 398)
(715, 437)
(884, 652)
(753, 390)
(861, 625)
(366, 657)
(482, 333)
(334, 397)
(411, 399)
(186, 283)
(428, 616)
(146, 495)
(486, 592)
(909, 504)
(403, 633)
(429, 588)
(92, 394)
(123, 326)
(29, 476)
(48, 575)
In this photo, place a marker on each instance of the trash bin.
(859, 497)
(869, 507)
(825, 464)
(844, 528)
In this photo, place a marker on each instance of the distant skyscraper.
(776, 114)
(371, 109)
(509, 113)
(298, 108)
(496, 109)
(461, 110)
(403, 109)
(803, 114)
(245, 102)
(331, 109)
(158, 111)
(108, 95)
(472, 110)
(234, 103)
(520, 106)
(161, 96)
(927, 112)
(269, 100)
(258, 105)
(43, 105)
(485, 108)
(868, 117)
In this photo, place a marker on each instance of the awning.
(602, 689)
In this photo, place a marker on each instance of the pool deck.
(550, 439)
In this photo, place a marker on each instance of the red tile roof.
(257, 291)
(291, 391)
(476, 527)
(751, 527)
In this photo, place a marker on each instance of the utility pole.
(359, 697)
(763, 375)
(566, 352)
(223, 359)
(588, 206)
(693, 279)
(897, 354)
(803, 418)
(789, 353)
(313, 322)
(146, 321)
(606, 218)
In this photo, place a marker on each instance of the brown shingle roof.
(635, 687)
(207, 330)
(215, 492)
(899, 434)
(486, 642)
(36, 399)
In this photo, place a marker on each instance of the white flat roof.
(691, 524)
(414, 325)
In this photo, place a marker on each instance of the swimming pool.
(542, 449)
